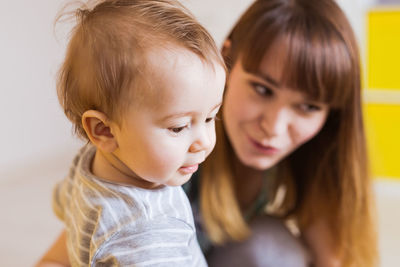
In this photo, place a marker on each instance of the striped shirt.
(111, 224)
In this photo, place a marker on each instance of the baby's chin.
(178, 181)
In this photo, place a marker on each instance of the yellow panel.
(383, 134)
(383, 49)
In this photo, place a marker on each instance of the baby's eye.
(214, 118)
(262, 89)
(177, 129)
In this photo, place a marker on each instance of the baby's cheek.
(213, 139)
(167, 159)
(161, 160)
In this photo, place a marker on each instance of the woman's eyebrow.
(268, 78)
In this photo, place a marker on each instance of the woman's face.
(266, 121)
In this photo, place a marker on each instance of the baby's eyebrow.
(217, 106)
(177, 115)
(186, 114)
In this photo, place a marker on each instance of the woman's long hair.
(327, 177)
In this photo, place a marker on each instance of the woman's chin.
(260, 164)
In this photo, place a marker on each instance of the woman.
(292, 102)
(290, 141)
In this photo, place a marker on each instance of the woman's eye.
(262, 90)
(309, 107)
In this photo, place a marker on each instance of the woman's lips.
(266, 150)
(189, 169)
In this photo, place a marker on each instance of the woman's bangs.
(321, 69)
(256, 45)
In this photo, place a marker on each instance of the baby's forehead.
(168, 62)
(172, 54)
(175, 76)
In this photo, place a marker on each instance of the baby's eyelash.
(177, 129)
(216, 118)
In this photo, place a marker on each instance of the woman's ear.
(98, 130)
(226, 53)
(226, 48)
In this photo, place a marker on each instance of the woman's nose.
(275, 121)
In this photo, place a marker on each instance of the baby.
(142, 82)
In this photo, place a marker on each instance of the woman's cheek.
(305, 130)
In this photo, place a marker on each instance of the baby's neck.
(109, 168)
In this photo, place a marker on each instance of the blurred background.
(37, 144)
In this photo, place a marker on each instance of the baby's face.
(164, 139)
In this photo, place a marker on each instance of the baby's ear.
(97, 128)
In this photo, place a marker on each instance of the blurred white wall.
(33, 128)
(34, 131)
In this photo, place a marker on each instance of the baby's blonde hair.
(106, 55)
